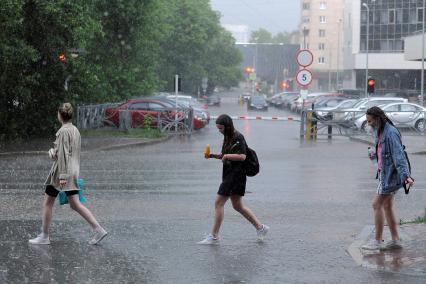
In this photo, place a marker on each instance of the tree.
(283, 37)
(260, 36)
(194, 31)
(34, 33)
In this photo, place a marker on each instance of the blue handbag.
(63, 197)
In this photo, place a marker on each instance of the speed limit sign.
(304, 77)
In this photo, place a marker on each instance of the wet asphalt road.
(156, 202)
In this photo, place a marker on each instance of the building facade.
(375, 33)
(321, 31)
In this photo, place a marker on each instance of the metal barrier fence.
(315, 123)
(171, 120)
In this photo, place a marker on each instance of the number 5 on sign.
(304, 77)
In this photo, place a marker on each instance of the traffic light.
(370, 85)
(62, 57)
(248, 70)
(285, 84)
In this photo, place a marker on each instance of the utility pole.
(366, 54)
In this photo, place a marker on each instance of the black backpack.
(251, 163)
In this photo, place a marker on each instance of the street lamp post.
(339, 22)
(366, 49)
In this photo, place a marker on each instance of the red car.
(139, 108)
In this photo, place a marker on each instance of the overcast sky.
(272, 15)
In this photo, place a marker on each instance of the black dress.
(233, 174)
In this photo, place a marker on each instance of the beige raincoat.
(66, 157)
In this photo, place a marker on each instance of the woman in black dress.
(233, 179)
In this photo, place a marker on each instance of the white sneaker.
(209, 240)
(372, 245)
(100, 233)
(41, 239)
(392, 244)
(261, 233)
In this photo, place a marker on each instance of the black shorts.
(229, 189)
(53, 192)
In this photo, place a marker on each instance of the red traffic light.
(370, 85)
(284, 85)
(248, 70)
(62, 57)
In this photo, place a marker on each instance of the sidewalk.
(95, 143)
(414, 144)
(410, 260)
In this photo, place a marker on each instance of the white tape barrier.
(245, 117)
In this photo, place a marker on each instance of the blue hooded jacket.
(395, 168)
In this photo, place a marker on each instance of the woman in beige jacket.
(63, 176)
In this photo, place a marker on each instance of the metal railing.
(353, 123)
(171, 120)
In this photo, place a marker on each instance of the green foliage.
(263, 36)
(147, 120)
(417, 220)
(131, 133)
(125, 48)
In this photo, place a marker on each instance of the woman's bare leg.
(238, 205)
(47, 214)
(76, 205)
(219, 213)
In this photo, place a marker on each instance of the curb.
(128, 145)
(106, 148)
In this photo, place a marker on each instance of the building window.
(321, 46)
(323, 5)
(323, 20)
(321, 60)
(420, 15)
(391, 16)
(306, 6)
(306, 19)
(321, 33)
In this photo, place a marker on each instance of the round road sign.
(304, 77)
(304, 57)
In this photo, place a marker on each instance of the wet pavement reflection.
(157, 201)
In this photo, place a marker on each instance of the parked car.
(257, 102)
(401, 114)
(352, 93)
(140, 108)
(201, 114)
(351, 114)
(326, 113)
(328, 101)
(288, 100)
(213, 100)
(301, 104)
(281, 100)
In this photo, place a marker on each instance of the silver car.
(403, 115)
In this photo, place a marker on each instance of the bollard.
(330, 132)
(241, 100)
(311, 127)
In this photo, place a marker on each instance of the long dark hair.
(377, 112)
(229, 132)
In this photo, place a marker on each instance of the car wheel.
(420, 124)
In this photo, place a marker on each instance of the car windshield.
(258, 99)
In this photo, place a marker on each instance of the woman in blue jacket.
(393, 173)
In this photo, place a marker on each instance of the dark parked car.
(213, 100)
(257, 102)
